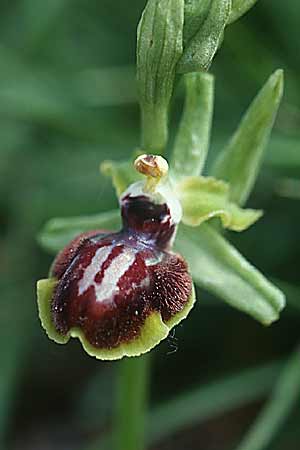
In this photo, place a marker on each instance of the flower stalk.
(131, 403)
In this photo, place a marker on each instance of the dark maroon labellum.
(109, 283)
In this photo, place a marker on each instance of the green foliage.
(201, 48)
(193, 136)
(208, 401)
(284, 397)
(240, 161)
(219, 268)
(195, 12)
(122, 174)
(58, 232)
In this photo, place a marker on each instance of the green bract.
(159, 47)
(176, 36)
(201, 48)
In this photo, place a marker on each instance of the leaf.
(239, 8)
(192, 140)
(240, 161)
(284, 397)
(212, 399)
(203, 198)
(201, 49)
(122, 173)
(58, 232)
(159, 47)
(203, 403)
(220, 269)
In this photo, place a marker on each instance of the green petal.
(122, 173)
(159, 46)
(192, 140)
(58, 232)
(219, 268)
(153, 331)
(239, 8)
(201, 49)
(203, 198)
(240, 161)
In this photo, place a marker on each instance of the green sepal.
(239, 8)
(240, 161)
(153, 331)
(159, 47)
(58, 232)
(192, 140)
(200, 50)
(122, 173)
(220, 269)
(203, 198)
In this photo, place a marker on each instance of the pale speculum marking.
(93, 268)
(115, 268)
(108, 287)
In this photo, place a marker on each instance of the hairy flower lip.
(113, 284)
(120, 293)
(67, 254)
(153, 332)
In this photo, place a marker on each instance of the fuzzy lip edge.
(145, 342)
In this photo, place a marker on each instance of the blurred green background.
(68, 101)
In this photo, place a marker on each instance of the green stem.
(132, 395)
